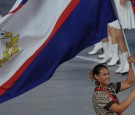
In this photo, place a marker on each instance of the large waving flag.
(36, 36)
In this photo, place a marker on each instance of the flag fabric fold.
(36, 36)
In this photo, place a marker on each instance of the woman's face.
(103, 77)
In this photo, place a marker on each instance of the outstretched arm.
(131, 77)
(124, 105)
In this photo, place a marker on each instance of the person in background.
(116, 51)
(127, 21)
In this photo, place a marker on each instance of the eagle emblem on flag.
(8, 46)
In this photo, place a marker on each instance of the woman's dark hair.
(96, 71)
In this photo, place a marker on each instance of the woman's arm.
(131, 77)
(124, 105)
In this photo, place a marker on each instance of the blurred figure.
(127, 21)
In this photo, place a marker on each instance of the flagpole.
(115, 11)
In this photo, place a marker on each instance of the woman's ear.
(91, 75)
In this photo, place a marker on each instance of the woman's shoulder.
(112, 84)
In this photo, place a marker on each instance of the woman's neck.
(103, 86)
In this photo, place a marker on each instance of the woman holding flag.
(105, 101)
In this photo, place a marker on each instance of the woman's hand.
(91, 75)
(131, 77)
(131, 59)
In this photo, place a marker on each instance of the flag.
(36, 36)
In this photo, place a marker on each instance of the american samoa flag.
(36, 36)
